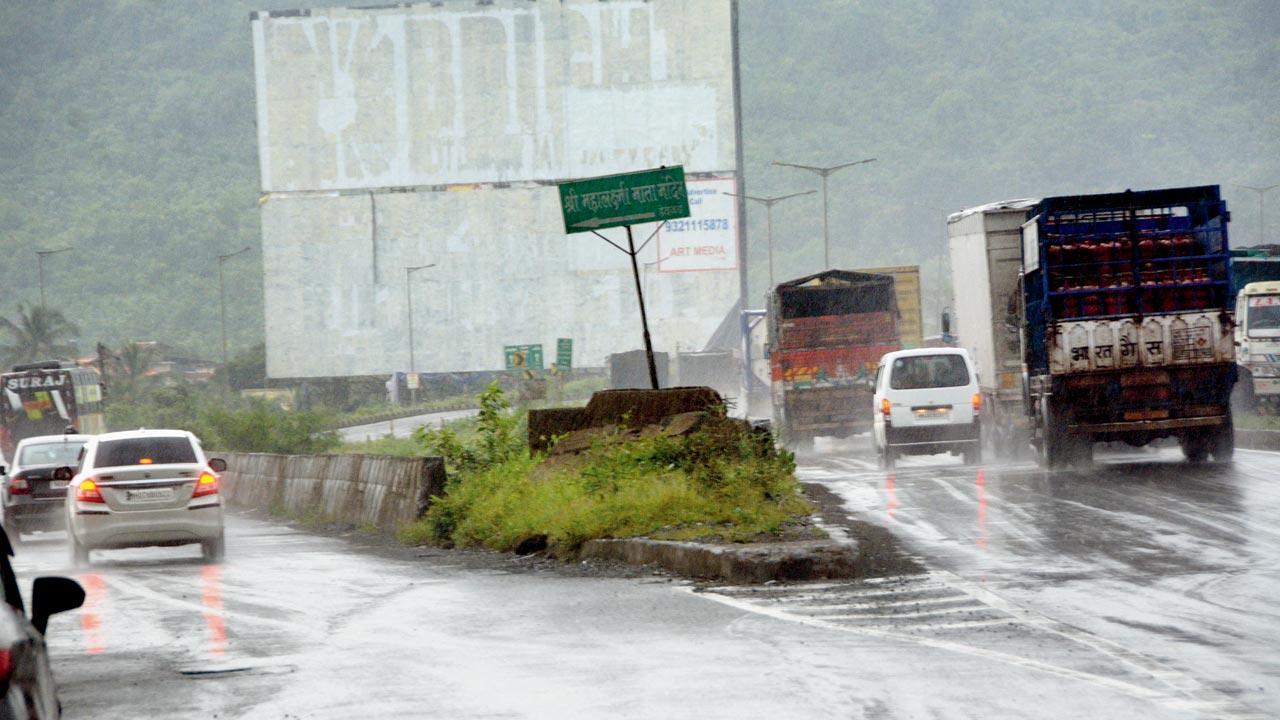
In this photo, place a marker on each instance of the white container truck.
(986, 260)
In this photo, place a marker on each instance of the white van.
(927, 401)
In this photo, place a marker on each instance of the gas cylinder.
(1146, 247)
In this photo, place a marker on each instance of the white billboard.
(492, 92)
(409, 135)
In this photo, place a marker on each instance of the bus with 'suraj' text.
(45, 398)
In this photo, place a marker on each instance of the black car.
(25, 678)
(32, 499)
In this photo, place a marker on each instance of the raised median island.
(647, 477)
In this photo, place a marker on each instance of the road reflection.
(891, 494)
(211, 599)
(95, 591)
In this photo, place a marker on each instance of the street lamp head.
(228, 256)
(1258, 190)
(824, 171)
(770, 201)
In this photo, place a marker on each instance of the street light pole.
(768, 203)
(824, 172)
(408, 297)
(40, 256)
(222, 303)
(1262, 218)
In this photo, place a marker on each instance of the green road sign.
(523, 357)
(626, 199)
(564, 353)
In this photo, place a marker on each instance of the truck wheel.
(1055, 450)
(1195, 447)
(1081, 451)
(1223, 443)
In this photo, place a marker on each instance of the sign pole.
(644, 318)
(656, 195)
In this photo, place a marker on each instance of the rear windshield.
(53, 453)
(145, 451)
(929, 371)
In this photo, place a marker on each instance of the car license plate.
(58, 485)
(931, 412)
(149, 494)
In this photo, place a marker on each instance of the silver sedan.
(144, 487)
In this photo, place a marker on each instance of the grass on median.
(723, 482)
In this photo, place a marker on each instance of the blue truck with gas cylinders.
(1127, 332)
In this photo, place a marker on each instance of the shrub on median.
(723, 481)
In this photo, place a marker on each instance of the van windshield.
(929, 371)
(1263, 317)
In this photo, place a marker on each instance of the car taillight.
(6, 665)
(87, 491)
(18, 485)
(884, 407)
(206, 485)
(977, 402)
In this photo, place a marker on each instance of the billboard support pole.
(644, 318)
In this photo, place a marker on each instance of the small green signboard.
(523, 357)
(625, 199)
(564, 353)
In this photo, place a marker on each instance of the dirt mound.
(554, 422)
(638, 413)
(636, 408)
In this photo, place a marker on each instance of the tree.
(40, 333)
(128, 369)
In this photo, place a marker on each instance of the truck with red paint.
(827, 332)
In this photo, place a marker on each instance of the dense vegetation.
(127, 133)
(223, 421)
(722, 481)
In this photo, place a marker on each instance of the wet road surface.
(1143, 588)
(1172, 569)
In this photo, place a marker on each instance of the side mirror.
(946, 322)
(63, 473)
(52, 595)
(3, 469)
(217, 465)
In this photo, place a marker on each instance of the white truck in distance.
(986, 258)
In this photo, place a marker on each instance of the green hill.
(127, 132)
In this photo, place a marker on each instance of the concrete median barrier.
(371, 491)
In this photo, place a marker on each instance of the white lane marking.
(1222, 705)
(971, 607)
(1213, 704)
(964, 624)
(994, 655)
(835, 608)
(858, 594)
